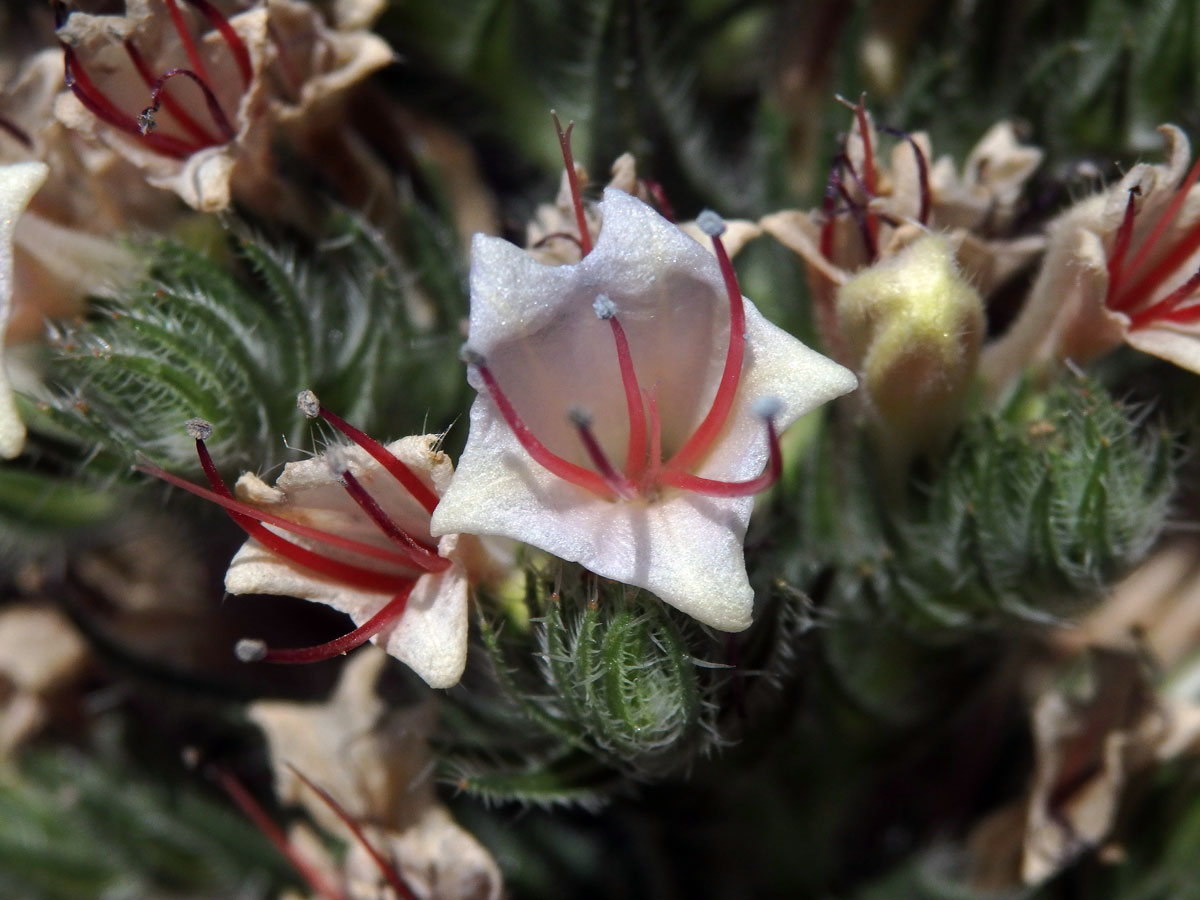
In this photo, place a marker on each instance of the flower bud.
(912, 325)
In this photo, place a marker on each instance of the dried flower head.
(1120, 266)
(363, 769)
(190, 95)
(627, 405)
(873, 210)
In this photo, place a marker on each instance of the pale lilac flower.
(644, 353)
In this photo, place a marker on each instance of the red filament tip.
(543, 455)
(564, 142)
(704, 436)
(251, 650)
(210, 100)
(254, 811)
(311, 407)
(712, 488)
(635, 455)
(386, 869)
(181, 115)
(922, 173)
(387, 525)
(617, 483)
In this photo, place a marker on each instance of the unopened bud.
(913, 326)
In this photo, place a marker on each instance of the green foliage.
(1033, 513)
(38, 510)
(626, 72)
(608, 687)
(1099, 75)
(347, 318)
(76, 824)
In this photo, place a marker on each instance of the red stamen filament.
(868, 175)
(390, 613)
(241, 55)
(402, 473)
(542, 455)
(255, 813)
(713, 488)
(387, 525)
(237, 508)
(1168, 307)
(181, 115)
(185, 37)
(828, 204)
(1116, 259)
(1145, 287)
(16, 132)
(385, 868)
(665, 209)
(348, 574)
(635, 456)
(210, 99)
(922, 174)
(1163, 223)
(698, 444)
(81, 85)
(564, 142)
(617, 483)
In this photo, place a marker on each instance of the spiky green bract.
(1034, 512)
(347, 318)
(607, 687)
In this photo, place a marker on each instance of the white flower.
(628, 354)
(429, 633)
(18, 184)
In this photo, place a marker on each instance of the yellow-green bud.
(912, 325)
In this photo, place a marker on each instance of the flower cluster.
(193, 98)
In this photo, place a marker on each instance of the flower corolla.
(643, 352)
(1120, 266)
(349, 528)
